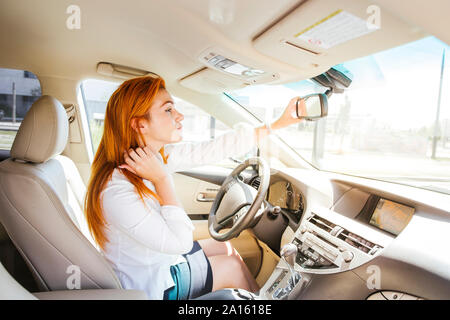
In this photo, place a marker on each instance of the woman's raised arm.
(183, 156)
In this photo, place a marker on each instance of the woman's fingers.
(135, 159)
(297, 101)
(133, 155)
(141, 152)
(289, 115)
(127, 167)
(129, 163)
(294, 100)
(128, 160)
(143, 163)
(301, 107)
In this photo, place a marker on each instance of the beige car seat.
(41, 201)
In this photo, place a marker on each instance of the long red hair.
(131, 100)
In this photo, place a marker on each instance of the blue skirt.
(192, 279)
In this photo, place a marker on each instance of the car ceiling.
(166, 37)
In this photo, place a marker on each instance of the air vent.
(322, 223)
(359, 242)
(345, 235)
(256, 182)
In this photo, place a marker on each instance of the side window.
(95, 95)
(18, 90)
(197, 124)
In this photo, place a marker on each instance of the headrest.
(43, 133)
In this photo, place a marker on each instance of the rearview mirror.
(316, 106)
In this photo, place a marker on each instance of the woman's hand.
(144, 163)
(289, 116)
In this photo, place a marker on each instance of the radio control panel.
(327, 247)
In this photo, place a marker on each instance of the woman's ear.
(138, 125)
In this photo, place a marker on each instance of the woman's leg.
(213, 247)
(228, 272)
(225, 260)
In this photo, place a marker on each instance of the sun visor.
(121, 72)
(327, 32)
(210, 81)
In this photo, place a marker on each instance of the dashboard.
(384, 214)
(344, 229)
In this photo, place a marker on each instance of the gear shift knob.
(289, 253)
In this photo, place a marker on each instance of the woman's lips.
(180, 127)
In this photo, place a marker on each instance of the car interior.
(319, 224)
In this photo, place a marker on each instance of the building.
(19, 87)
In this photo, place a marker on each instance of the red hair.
(131, 100)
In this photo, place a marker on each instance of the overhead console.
(225, 71)
(323, 33)
(223, 62)
(211, 81)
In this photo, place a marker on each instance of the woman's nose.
(179, 116)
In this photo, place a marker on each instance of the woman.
(131, 207)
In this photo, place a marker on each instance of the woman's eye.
(169, 110)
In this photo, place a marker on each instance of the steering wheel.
(238, 203)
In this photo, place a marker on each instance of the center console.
(326, 242)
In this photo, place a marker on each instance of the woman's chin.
(177, 137)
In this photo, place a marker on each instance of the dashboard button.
(347, 256)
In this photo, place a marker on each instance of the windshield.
(392, 123)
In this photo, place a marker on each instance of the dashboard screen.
(391, 216)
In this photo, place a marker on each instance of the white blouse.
(145, 240)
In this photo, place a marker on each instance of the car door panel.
(196, 195)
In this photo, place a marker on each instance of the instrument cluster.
(283, 194)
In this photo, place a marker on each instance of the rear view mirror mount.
(336, 79)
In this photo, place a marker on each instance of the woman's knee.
(213, 247)
(234, 262)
